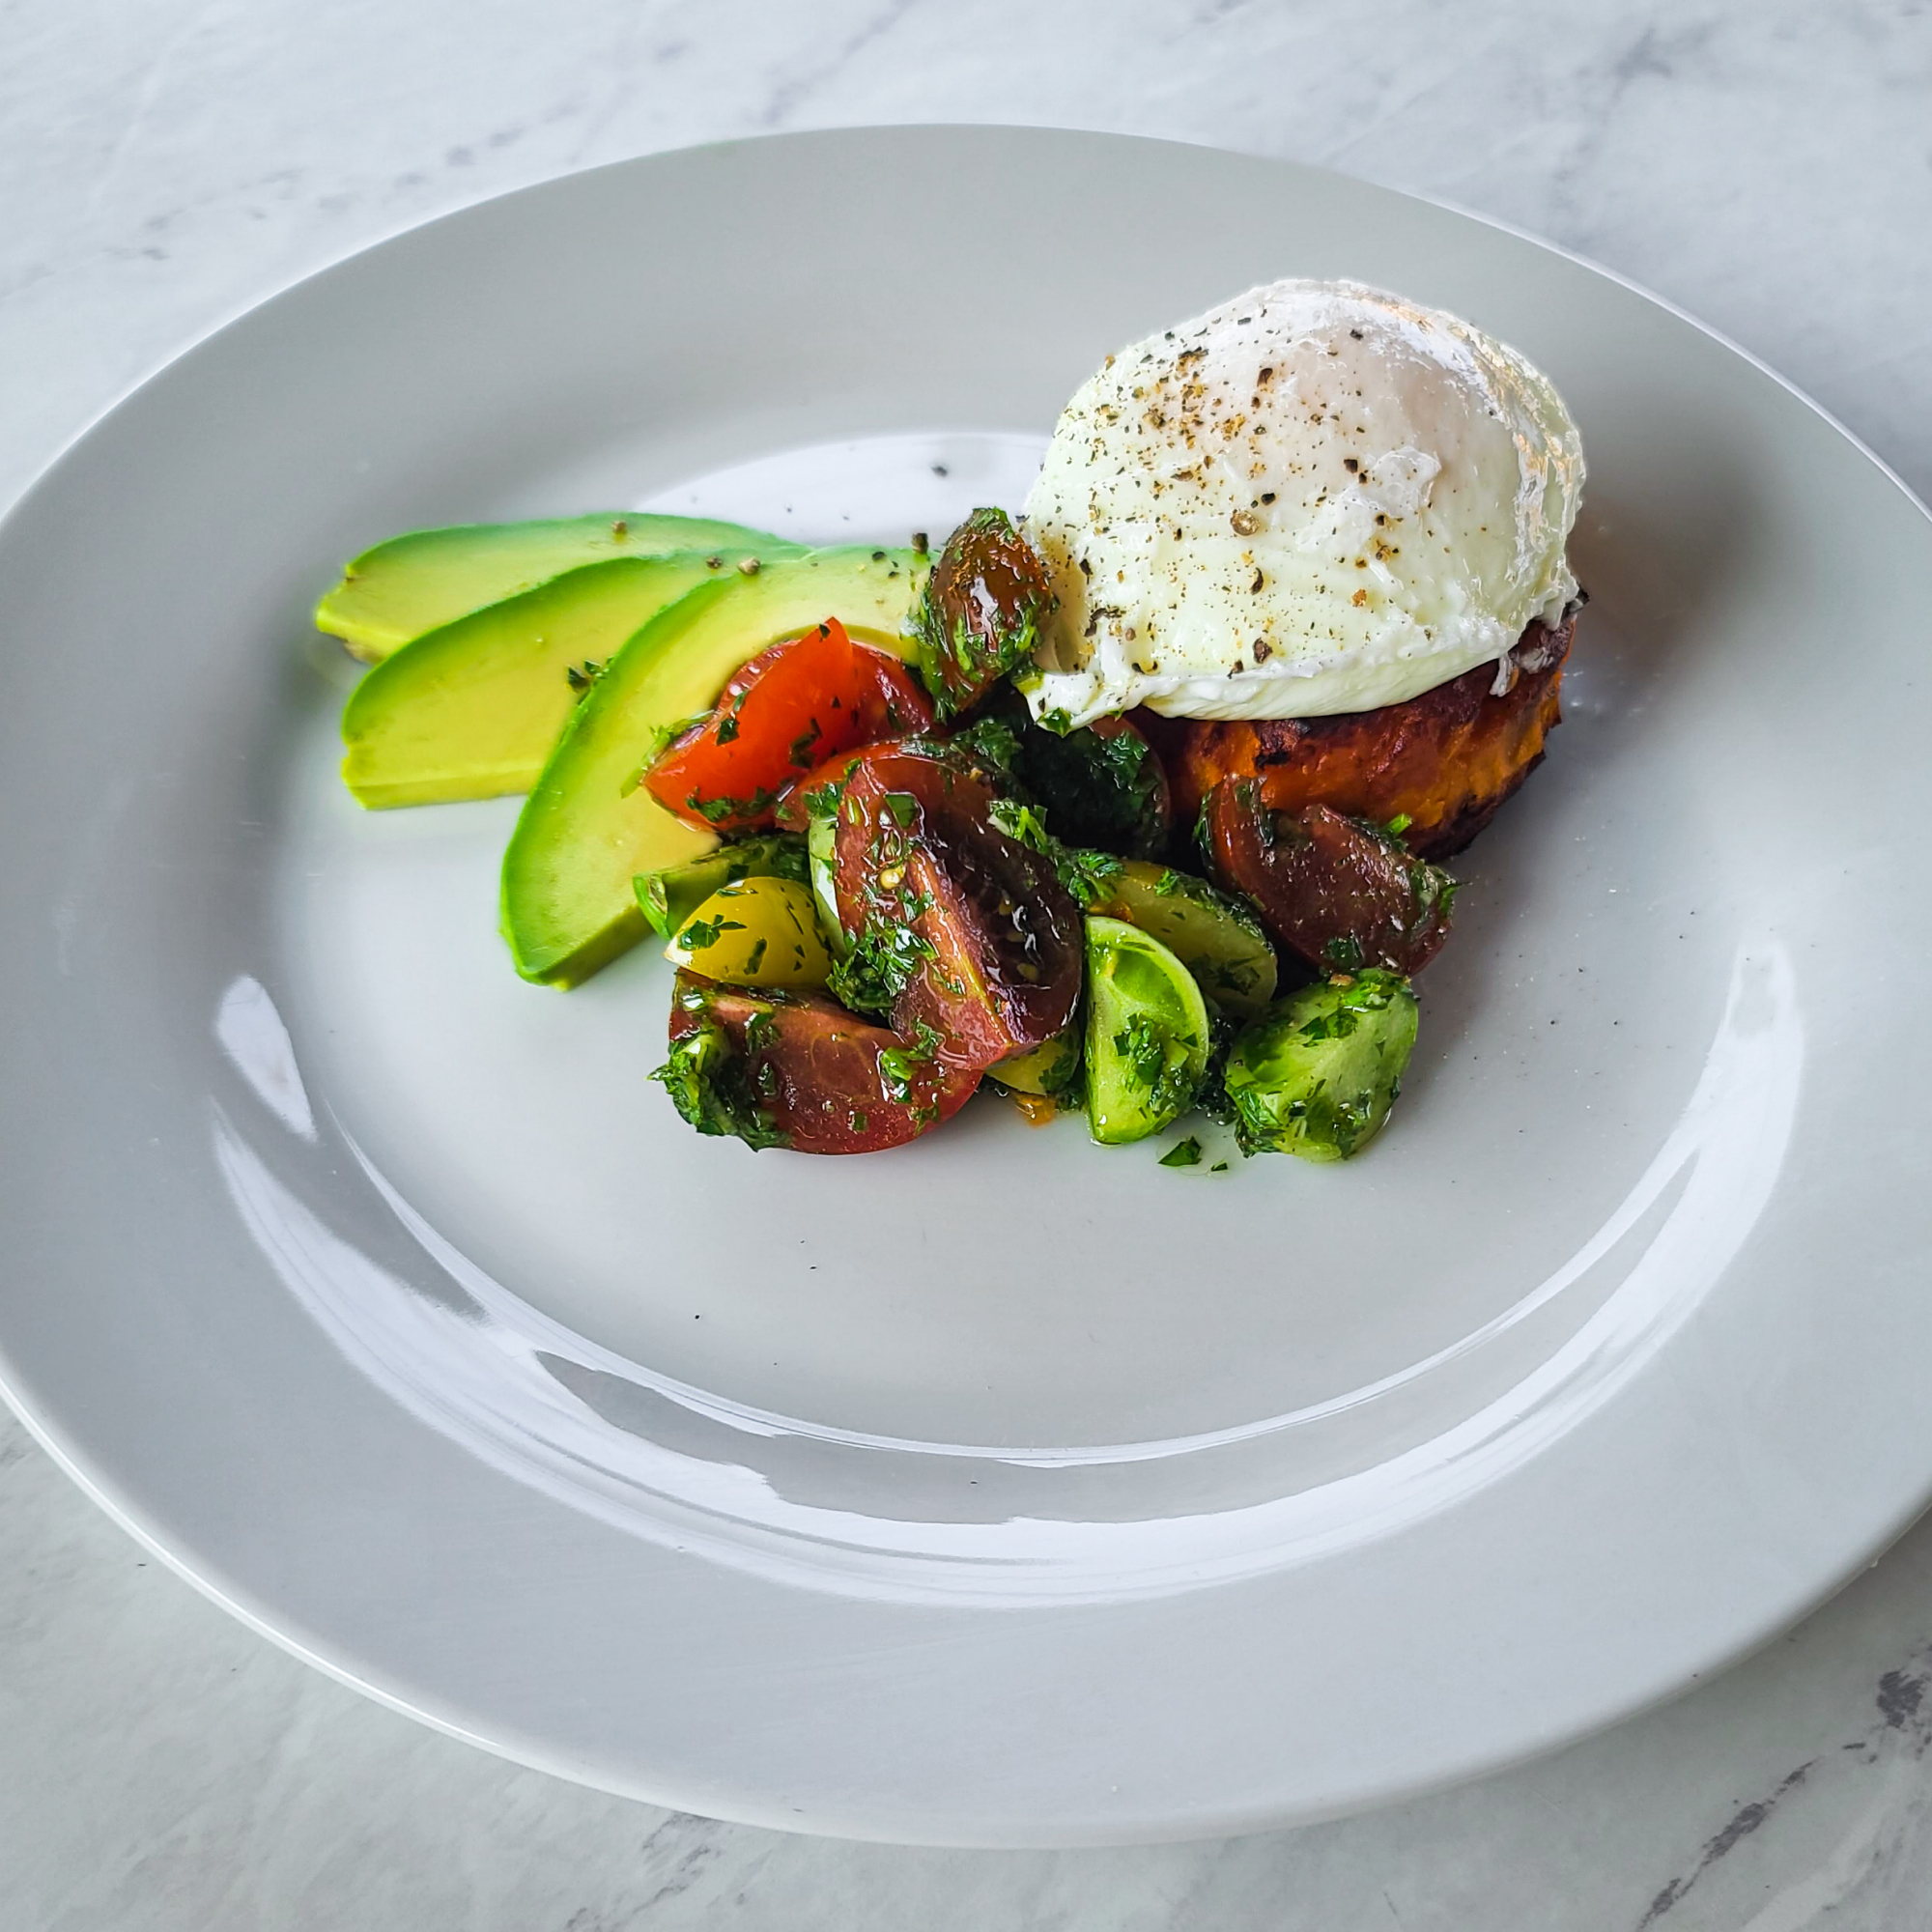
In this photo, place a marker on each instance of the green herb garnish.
(1343, 954)
(713, 1087)
(703, 932)
(715, 811)
(1021, 823)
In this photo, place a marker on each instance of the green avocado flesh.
(471, 709)
(667, 899)
(588, 828)
(425, 579)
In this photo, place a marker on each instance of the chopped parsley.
(1098, 789)
(992, 740)
(1065, 1082)
(1021, 823)
(801, 746)
(821, 801)
(906, 1073)
(717, 811)
(1212, 1096)
(1157, 1061)
(881, 964)
(1343, 954)
(897, 1070)
(1088, 876)
(1203, 834)
(716, 1089)
(703, 932)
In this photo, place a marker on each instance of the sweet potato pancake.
(1445, 760)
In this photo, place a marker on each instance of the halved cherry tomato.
(788, 710)
(793, 1070)
(794, 810)
(966, 933)
(1341, 891)
(980, 614)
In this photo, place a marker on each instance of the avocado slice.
(471, 709)
(417, 582)
(588, 828)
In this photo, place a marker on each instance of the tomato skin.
(1158, 807)
(977, 939)
(793, 811)
(799, 1071)
(981, 613)
(788, 709)
(1339, 892)
(891, 704)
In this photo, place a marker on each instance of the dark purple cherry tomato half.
(1341, 891)
(958, 930)
(796, 1070)
(980, 614)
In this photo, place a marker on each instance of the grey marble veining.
(164, 163)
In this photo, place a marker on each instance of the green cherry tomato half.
(1147, 1032)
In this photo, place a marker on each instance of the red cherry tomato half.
(788, 710)
(793, 1070)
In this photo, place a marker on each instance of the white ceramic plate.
(1003, 1489)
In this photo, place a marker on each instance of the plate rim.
(98, 1485)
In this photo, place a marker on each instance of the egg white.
(1315, 499)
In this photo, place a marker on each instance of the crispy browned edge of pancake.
(1445, 760)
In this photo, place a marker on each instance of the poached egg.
(1315, 499)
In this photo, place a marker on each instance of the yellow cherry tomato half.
(756, 932)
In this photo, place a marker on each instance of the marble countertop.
(164, 163)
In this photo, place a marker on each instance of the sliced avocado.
(471, 709)
(667, 899)
(417, 582)
(588, 826)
